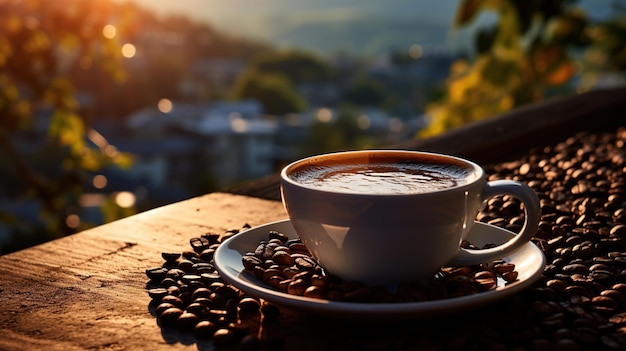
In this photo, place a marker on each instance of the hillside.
(356, 26)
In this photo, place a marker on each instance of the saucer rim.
(233, 273)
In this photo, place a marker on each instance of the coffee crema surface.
(403, 177)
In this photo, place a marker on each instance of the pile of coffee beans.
(286, 265)
(579, 303)
(189, 296)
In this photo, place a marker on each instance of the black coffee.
(384, 176)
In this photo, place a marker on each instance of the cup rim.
(285, 179)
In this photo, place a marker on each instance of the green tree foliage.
(366, 92)
(526, 53)
(47, 150)
(53, 55)
(273, 79)
(299, 66)
(336, 131)
(607, 53)
(274, 90)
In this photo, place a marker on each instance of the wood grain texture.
(87, 291)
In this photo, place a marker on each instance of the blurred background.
(112, 107)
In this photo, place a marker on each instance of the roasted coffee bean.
(617, 296)
(249, 304)
(174, 300)
(270, 273)
(197, 308)
(207, 254)
(175, 273)
(199, 244)
(157, 293)
(170, 257)
(283, 258)
(187, 321)
(186, 265)
(169, 316)
(305, 263)
(249, 262)
(510, 276)
(273, 234)
(556, 284)
(239, 329)
(210, 278)
(299, 247)
(156, 274)
(566, 344)
(301, 277)
(604, 301)
(581, 183)
(614, 341)
(167, 282)
(204, 330)
(224, 337)
(162, 307)
(297, 287)
(213, 238)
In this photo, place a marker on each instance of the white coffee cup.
(362, 220)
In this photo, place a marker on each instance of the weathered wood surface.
(87, 291)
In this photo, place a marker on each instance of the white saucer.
(529, 263)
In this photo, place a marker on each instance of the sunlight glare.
(109, 31)
(128, 50)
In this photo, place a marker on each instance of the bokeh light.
(416, 51)
(109, 31)
(129, 50)
(72, 221)
(363, 122)
(125, 199)
(324, 115)
(99, 181)
(165, 105)
(237, 123)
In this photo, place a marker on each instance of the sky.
(284, 22)
(219, 11)
(236, 15)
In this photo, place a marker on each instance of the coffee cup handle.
(532, 209)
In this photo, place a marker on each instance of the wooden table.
(88, 291)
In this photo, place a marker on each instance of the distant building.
(224, 141)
